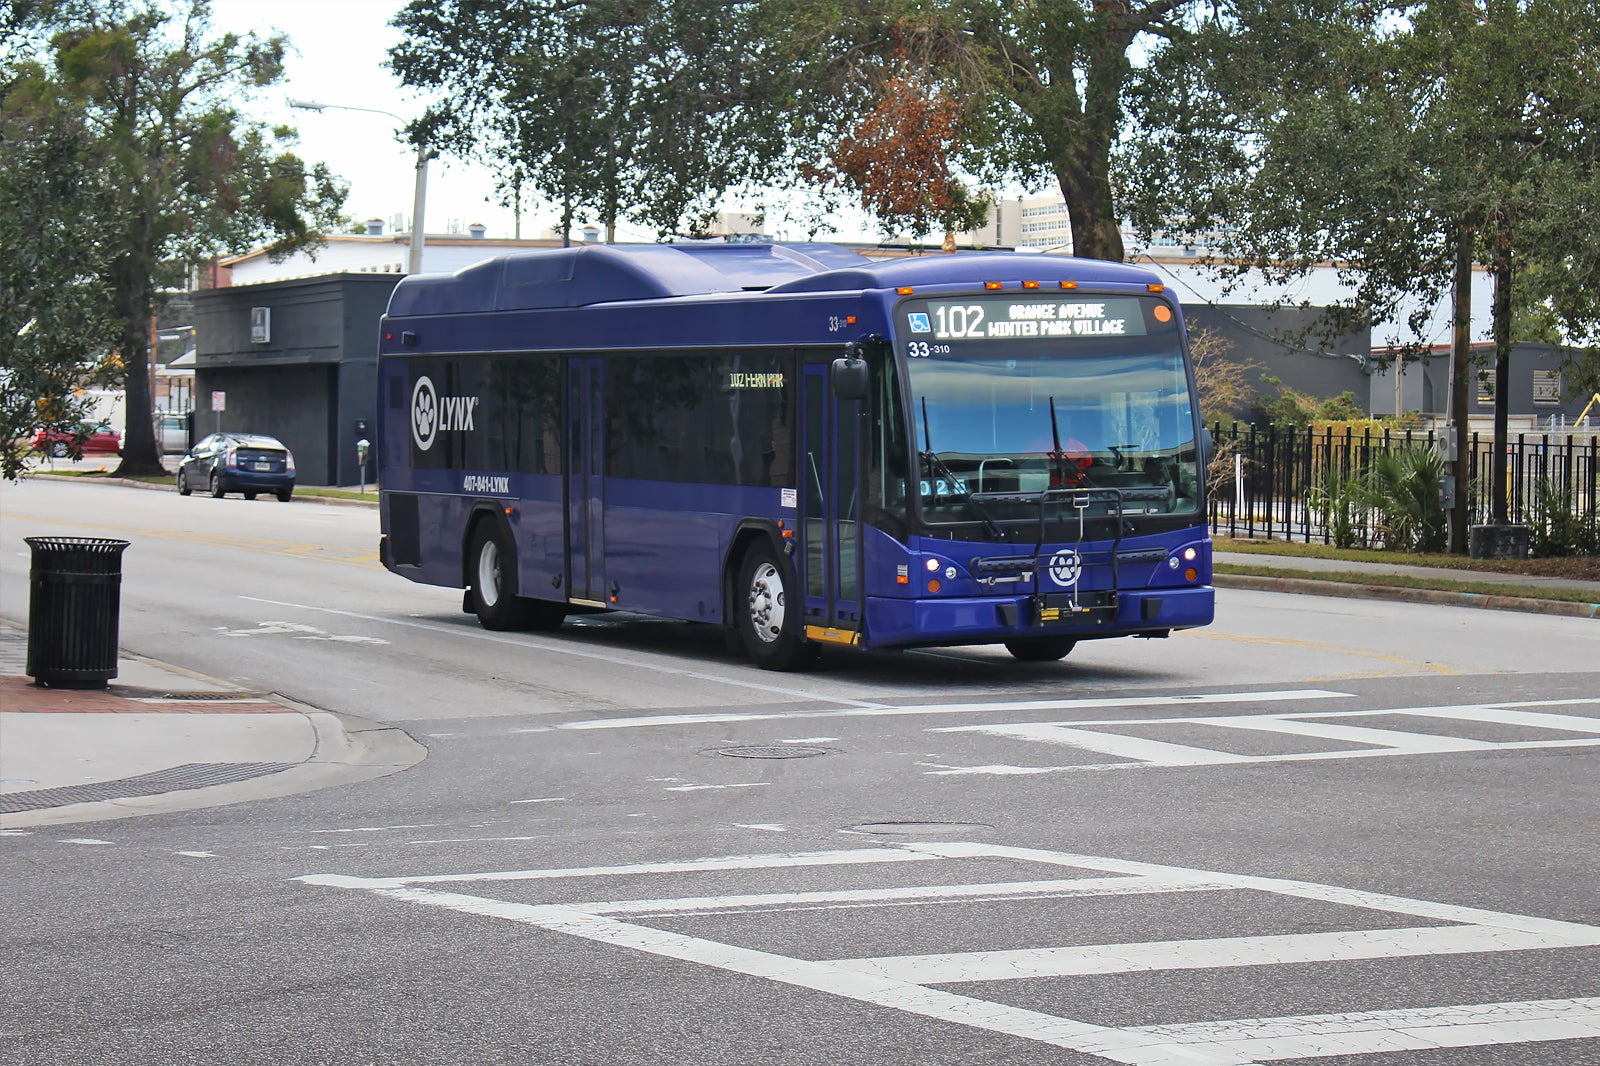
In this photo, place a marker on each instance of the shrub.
(1402, 488)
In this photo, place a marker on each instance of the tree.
(54, 329)
(1041, 86)
(172, 175)
(898, 161)
(1403, 141)
(641, 109)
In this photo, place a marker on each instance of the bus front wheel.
(1040, 649)
(493, 589)
(768, 624)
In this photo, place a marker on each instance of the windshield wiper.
(957, 486)
(1073, 473)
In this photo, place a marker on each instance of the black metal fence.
(1265, 477)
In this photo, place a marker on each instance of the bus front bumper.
(895, 623)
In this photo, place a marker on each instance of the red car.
(98, 439)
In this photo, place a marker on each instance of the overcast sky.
(338, 54)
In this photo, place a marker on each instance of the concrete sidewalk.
(1343, 580)
(159, 738)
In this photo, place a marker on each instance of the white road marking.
(1021, 707)
(1139, 752)
(1374, 1032)
(297, 630)
(84, 840)
(900, 982)
(547, 799)
(960, 967)
(641, 660)
(199, 854)
(770, 827)
(704, 788)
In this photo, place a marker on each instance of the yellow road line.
(319, 552)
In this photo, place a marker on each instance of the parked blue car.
(238, 462)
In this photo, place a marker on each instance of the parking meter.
(361, 460)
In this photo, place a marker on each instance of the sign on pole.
(219, 401)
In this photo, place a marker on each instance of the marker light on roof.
(991, 284)
(1069, 284)
(905, 290)
(1030, 284)
(1157, 288)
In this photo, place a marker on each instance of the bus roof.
(608, 273)
(603, 273)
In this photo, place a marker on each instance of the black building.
(296, 360)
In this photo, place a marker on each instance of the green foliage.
(1380, 136)
(1558, 529)
(1402, 489)
(163, 173)
(1339, 502)
(55, 326)
(1288, 406)
(646, 109)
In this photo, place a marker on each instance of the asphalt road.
(1326, 831)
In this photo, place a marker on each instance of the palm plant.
(1403, 489)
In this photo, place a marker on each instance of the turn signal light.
(933, 584)
(1190, 574)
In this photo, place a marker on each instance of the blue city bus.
(801, 443)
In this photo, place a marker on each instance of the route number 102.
(956, 321)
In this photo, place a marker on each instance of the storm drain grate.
(175, 779)
(772, 751)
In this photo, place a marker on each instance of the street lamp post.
(420, 198)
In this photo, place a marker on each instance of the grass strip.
(1409, 581)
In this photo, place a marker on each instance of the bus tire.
(1040, 649)
(493, 588)
(768, 627)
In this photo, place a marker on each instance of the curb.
(131, 483)
(1351, 590)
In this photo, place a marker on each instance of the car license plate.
(262, 466)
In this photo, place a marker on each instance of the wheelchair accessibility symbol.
(1065, 566)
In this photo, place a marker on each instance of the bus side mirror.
(1207, 448)
(850, 376)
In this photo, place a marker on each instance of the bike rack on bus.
(1118, 501)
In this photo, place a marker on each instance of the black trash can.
(73, 603)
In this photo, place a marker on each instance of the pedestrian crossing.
(1530, 724)
(723, 931)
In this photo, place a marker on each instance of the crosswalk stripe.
(1375, 1032)
(1216, 953)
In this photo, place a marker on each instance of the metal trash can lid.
(90, 544)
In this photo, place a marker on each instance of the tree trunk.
(1086, 186)
(141, 456)
(1460, 384)
(1500, 491)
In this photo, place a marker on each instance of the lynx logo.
(1065, 566)
(432, 413)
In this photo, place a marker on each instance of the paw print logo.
(424, 413)
(1065, 567)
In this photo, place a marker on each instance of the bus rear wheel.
(1040, 649)
(768, 627)
(493, 588)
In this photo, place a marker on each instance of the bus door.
(830, 502)
(586, 563)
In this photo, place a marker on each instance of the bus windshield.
(1008, 415)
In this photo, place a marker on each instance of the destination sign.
(1027, 319)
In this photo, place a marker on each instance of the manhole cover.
(772, 751)
(917, 829)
